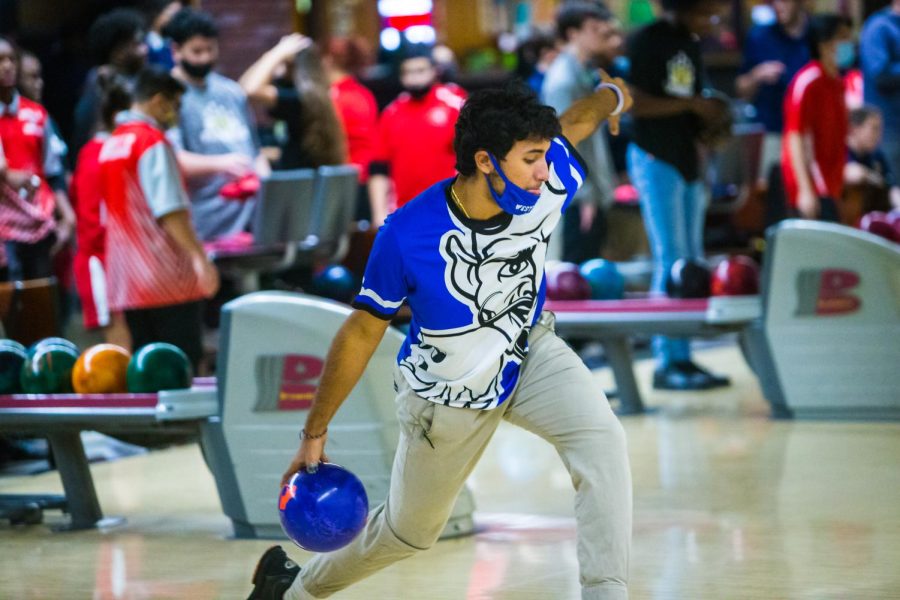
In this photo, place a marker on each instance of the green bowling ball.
(54, 341)
(158, 366)
(48, 369)
(12, 357)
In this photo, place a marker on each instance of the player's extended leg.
(438, 448)
(559, 400)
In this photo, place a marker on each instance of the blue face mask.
(514, 200)
(846, 55)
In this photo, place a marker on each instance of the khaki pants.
(556, 399)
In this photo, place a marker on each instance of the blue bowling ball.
(336, 282)
(325, 510)
(606, 281)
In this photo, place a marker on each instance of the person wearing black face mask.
(216, 140)
(415, 135)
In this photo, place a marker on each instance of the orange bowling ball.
(101, 369)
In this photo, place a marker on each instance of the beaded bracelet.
(305, 436)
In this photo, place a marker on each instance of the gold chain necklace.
(458, 202)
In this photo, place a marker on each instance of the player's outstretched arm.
(350, 351)
(611, 99)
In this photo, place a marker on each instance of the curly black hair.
(187, 23)
(112, 30)
(495, 119)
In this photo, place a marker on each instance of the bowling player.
(157, 270)
(467, 255)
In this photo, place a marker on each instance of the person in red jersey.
(415, 137)
(157, 270)
(32, 192)
(90, 210)
(356, 108)
(814, 148)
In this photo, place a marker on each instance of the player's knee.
(416, 536)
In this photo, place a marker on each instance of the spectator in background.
(880, 61)
(670, 113)
(356, 108)
(216, 140)
(814, 149)
(533, 57)
(4, 264)
(90, 209)
(157, 14)
(117, 42)
(772, 56)
(586, 29)
(415, 145)
(301, 100)
(36, 218)
(157, 269)
(866, 162)
(31, 85)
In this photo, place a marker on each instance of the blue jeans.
(673, 211)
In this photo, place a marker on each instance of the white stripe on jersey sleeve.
(379, 300)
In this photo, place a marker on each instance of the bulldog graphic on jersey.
(476, 290)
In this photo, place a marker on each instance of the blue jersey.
(475, 288)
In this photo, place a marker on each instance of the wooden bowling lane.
(728, 505)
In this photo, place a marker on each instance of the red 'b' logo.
(826, 292)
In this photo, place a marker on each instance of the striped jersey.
(25, 135)
(141, 183)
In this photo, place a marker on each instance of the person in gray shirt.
(587, 30)
(216, 141)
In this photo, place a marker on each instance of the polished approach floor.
(728, 504)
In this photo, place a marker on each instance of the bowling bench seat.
(614, 322)
(62, 418)
(303, 215)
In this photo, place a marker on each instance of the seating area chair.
(29, 310)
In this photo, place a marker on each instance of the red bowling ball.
(565, 282)
(735, 276)
(881, 224)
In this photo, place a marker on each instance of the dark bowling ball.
(879, 223)
(12, 357)
(565, 282)
(325, 510)
(336, 282)
(158, 366)
(688, 278)
(893, 218)
(735, 276)
(604, 278)
(48, 369)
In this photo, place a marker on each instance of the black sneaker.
(675, 377)
(274, 574)
(711, 380)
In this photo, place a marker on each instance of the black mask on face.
(197, 70)
(418, 91)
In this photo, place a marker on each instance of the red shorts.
(90, 281)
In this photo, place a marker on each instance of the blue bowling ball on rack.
(607, 283)
(324, 510)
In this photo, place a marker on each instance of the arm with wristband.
(608, 102)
